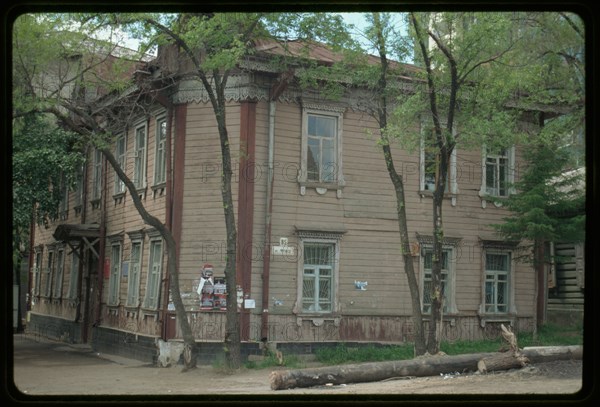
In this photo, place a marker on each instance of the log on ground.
(501, 361)
(540, 354)
(374, 371)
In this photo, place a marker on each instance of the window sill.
(318, 319)
(95, 203)
(322, 187)
(496, 318)
(496, 200)
(425, 193)
(158, 189)
(119, 197)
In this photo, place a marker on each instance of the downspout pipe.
(168, 217)
(264, 331)
(101, 244)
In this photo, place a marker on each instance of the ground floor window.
(497, 278)
(317, 276)
(154, 273)
(427, 265)
(115, 274)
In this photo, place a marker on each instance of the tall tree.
(56, 61)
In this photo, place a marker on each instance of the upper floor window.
(321, 156)
(160, 168)
(430, 165)
(97, 175)
(79, 189)
(139, 154)
(121, 157)
(498, 172)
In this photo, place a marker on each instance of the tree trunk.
(501, 361)
(374, 371)
(541, 354)
(426, 366)
(398, 182)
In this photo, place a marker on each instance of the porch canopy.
(76, 234)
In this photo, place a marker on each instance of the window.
(74, 277)
(497, 277)
(498, 172)
(120, 156)
(317, 277)
(133, 277)
(36, 272)
(49, 269)
(154, 274)
(160, 173)
(79, 189)
(429, 162)
(58, 279)
(115, 274)
(321, 161)
(427, 264)
(64, 200)
(97, 175)
(139, 154)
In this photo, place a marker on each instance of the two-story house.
(319, 257)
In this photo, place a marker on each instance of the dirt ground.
(44, 367)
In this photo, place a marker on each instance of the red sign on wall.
(106, 268)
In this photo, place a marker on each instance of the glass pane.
(328, 160)
(496, 262)
(323, 126)
(501, 295)
(313, 159)
(318, 254)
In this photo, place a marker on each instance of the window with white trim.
(133, 277)
(97, 175)
(154, 274)
(497, 281)
(446, 279)
(429, 165)
(321, 155)
(497, 172)
(74, 276)
(79, 189)
(49, 270)
(114, 280)
(139, 154)
(58, 278)
(121, 157)
(37, 272)
(160, 167)
(318, 276)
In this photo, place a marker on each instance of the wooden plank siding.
(365, 211)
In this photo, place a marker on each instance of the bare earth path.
(44, 367)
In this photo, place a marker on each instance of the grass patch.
(548, 335)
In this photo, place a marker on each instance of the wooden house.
(319, 259)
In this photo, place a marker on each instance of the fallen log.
(374, 371)
(426, 366)
(540, 354)
(504, 361)
(501, 361)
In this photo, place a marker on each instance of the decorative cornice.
(428, 240)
